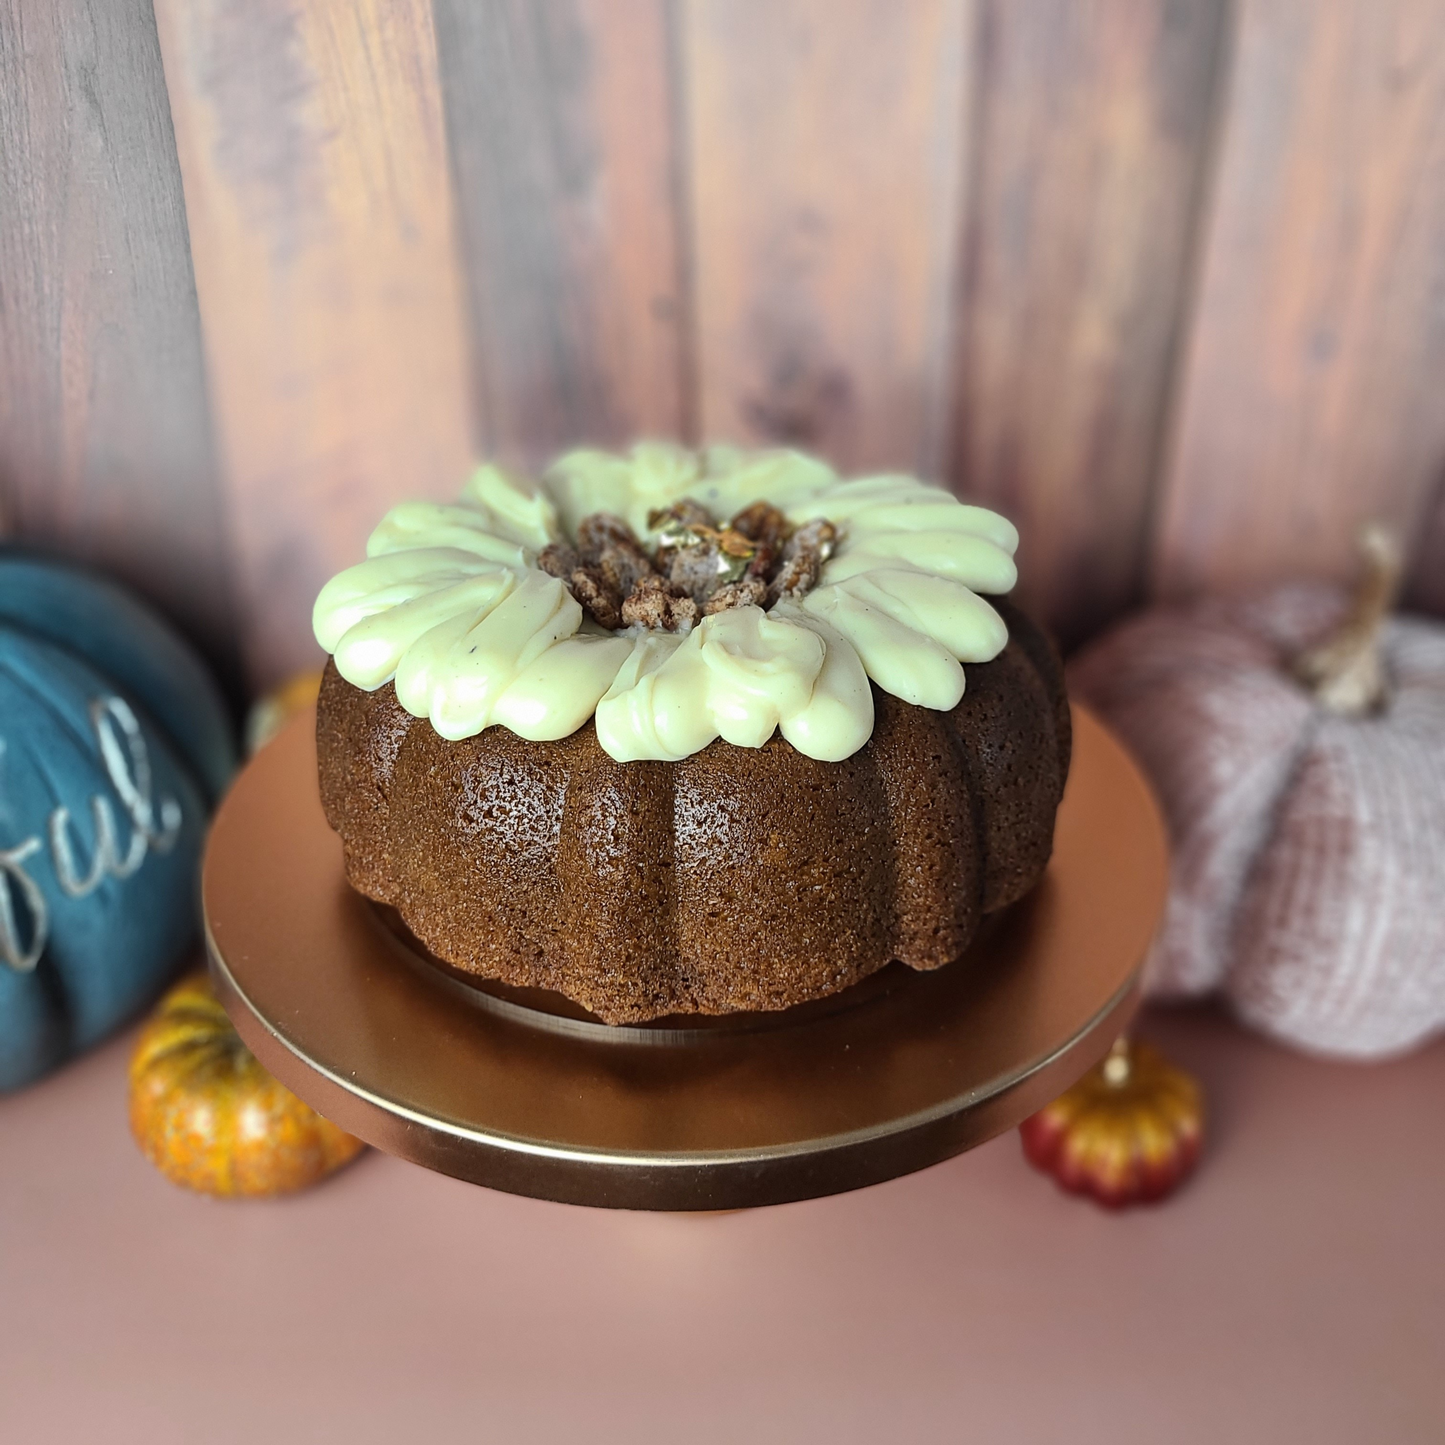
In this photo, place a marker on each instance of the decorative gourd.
(208, 1116)
(125, 641)
(1127, 1133)
(113, 745)
(269, 714)
(1304, 785)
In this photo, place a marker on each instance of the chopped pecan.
(602, 530)
(819, 535)
(683, 526)
(598, 598)
(698, 567)
(624, 567)
(764, 523)
(796, 577)
(750, 592)
(764, 563)
(660, 605)
(611, 552)
(557, 559)
(681, 516)
(698, 570)
(803, 557)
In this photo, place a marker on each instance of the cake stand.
(518, 1090)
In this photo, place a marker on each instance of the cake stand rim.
(1119, 1007)
(691, 1179)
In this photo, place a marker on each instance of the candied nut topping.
(803, 557)
(697, 568)
(818, 536)
(557, 559)
(611, 551)
(599, 600)
(764, 524)
(680, 517)
(603, 530)
(676, 527)
(796, 577)
(624, 568)
(764, 563)
(660, 605)
(750, 592)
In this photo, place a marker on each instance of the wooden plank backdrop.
(565, 155)
(106, 449)
(1091, 130)
(824, 164)
(1313, 395)
(321, 225)
(1164, 280)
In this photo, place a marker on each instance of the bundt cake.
(688, 732)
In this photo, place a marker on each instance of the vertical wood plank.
(1426, 584)
(1314, 391)
(825, 164)
(1091, 128)
(561, 122)
(311, 145)
(105, 439)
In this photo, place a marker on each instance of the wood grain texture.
(1425, 589)
(560, 117)
(825, 163)
(1091, 127)
(311, 145)
(105, 439)
(1312, 394)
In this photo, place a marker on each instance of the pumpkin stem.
(1345, 672)
(1117, 1066)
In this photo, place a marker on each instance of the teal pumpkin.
(114, 743)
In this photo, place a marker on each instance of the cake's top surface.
(773, 591)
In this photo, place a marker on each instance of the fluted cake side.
(735, 879)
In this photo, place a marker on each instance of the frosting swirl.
(451, 606)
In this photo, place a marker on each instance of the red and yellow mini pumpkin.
(208, 1116)
(1127, 1133)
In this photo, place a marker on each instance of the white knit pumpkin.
(1309, 844)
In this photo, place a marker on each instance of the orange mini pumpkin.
(271, 713)
(208, 1116)
(1127, 1133)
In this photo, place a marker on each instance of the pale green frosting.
(451, 606)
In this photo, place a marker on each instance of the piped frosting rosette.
(451, 606)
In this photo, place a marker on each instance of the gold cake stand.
(520, 1091)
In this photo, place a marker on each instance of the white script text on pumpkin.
(128, 768)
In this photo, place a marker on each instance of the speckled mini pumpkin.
(208, 1116)
(1127, 1133)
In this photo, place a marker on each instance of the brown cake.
(733, 878)
(738, 878)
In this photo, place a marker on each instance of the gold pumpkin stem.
(1116, 1067)
(1345, 672)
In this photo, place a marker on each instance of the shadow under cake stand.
(523, 1091)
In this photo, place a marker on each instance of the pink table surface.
(1294, 1292)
